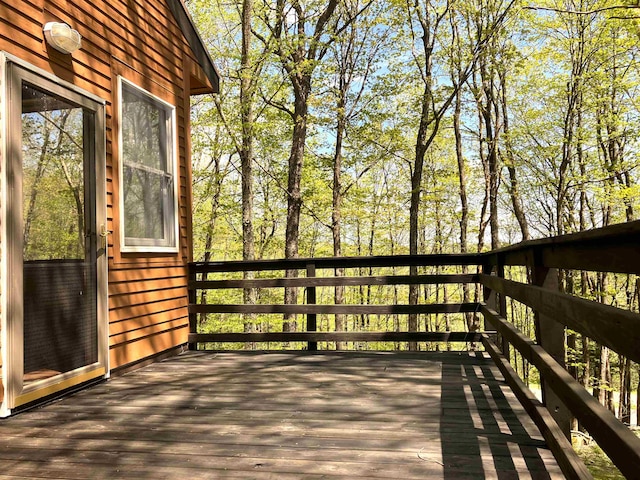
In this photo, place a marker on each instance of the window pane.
(143, 138)
(143, 204)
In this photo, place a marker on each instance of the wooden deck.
(284, 416)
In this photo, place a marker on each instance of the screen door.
(55, 248)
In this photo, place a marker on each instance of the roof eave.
(186, 24)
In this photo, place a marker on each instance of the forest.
(358, 127)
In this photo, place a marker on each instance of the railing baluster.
(311, 300)
(193, 317)
(502, 308)
(496, 302)
(488, 295)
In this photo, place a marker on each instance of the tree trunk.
(472, 321)
(366, 320)
(422, 144)
(585, 378)
(487, 104)
(624, 405)
(428, 120)
(33, 194)
(638, 400)
(414, 206)
(573, 115)
(208, 241)
(483, 221)
(509, 160)
(298, 51)
(337, 213)
(247, 90)
(609, 379)
(603, 376)
(294, 196)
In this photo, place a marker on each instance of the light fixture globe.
(62, 37)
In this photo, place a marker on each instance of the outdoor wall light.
(62, 37)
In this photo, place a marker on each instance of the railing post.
(311, 300)
(496, 302)
(193, 317)
(550, 335)
(502, 304)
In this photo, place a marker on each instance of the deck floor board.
(207, 415)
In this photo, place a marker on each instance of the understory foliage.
(430, 126)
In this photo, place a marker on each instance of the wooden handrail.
(339, 337)
(613, 249)
(608, 249)
(336, 281)
(333, 309)
(339, 262)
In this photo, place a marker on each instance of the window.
(148, 170)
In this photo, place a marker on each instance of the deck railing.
(311, 309)
(614, 250)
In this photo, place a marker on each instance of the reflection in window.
(147, 171)
(53, 177)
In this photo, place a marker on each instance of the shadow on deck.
(286, 415)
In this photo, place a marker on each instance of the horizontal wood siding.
(148, 310)
(140, 40)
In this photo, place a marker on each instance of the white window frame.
(171, 218)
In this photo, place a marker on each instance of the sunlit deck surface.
(285, 416)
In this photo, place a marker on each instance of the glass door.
(58, 249)
(56, 310)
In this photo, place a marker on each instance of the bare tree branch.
(585, 12)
